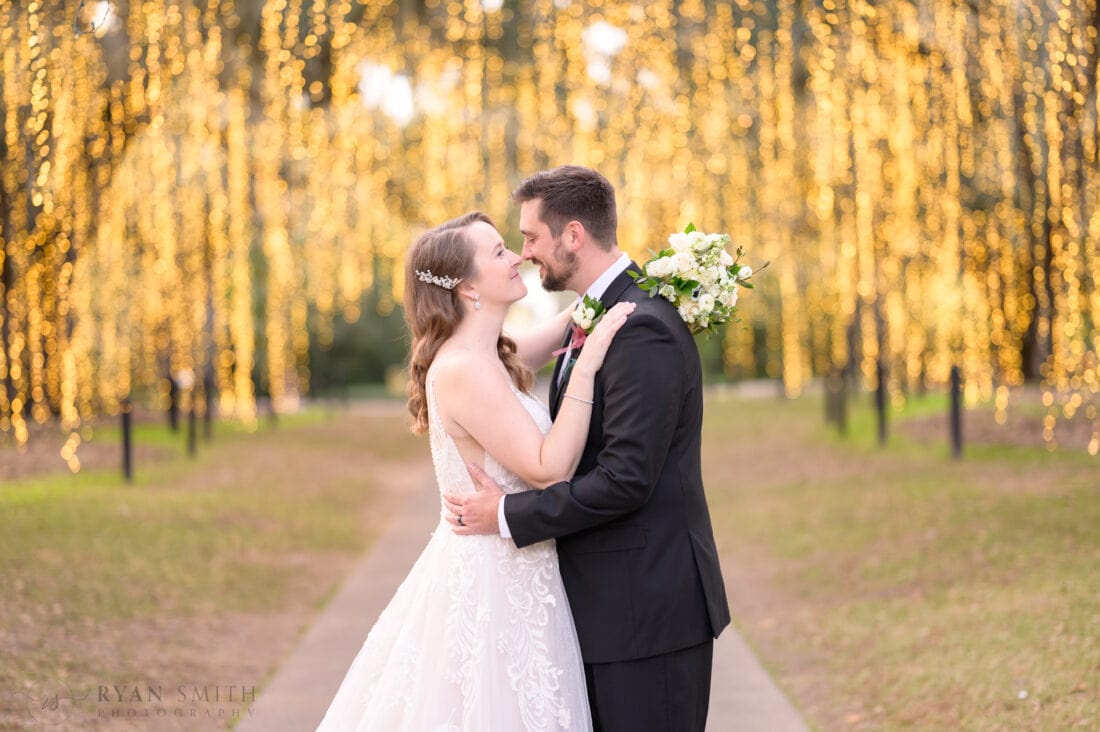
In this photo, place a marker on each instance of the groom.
(633, 532)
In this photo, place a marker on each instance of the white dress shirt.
(596, 291)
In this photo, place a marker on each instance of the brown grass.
(895, 588)
(203, 574)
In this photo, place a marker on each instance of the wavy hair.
(433, 312)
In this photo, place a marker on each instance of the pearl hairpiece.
(447, 283)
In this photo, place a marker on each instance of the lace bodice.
(450, 468)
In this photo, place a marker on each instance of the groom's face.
(556, 263)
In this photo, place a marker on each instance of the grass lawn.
(202, 572)
(885, 588)
(895, 588)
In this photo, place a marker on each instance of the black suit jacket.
(633, 530)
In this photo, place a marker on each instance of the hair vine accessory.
(447, 283)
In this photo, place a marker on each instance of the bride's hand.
(599, 340)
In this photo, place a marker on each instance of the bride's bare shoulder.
(467, 373)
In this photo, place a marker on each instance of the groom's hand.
(478, 511)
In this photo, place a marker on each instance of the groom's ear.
(574, 236)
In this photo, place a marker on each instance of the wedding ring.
(460, 520)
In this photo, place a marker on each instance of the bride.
(479, 636)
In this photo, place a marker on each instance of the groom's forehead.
(530, 217)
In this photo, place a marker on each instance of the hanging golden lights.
(923, 173)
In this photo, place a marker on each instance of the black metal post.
(956, 413)
(127, 442)
(880, 402)
(207, 403)
(842, 405)
(192, 432)
(173, 404)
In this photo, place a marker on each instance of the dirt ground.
(1021, 428)
(42, 453)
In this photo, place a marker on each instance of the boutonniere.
(585, 316)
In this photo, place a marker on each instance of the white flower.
(668, 292)
(703, 243)
(725, 259)
(709, 277)
(745, 272)
(680, 242)
(685, 264)
(706, 302)
(728, 296)
(583, 316)
(658, 267)
(688, 310)
(667, 265)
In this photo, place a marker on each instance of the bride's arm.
(475, 398)
(535, 344)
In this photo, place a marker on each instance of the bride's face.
(497, 276)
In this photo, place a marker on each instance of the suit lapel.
(619, 286)
(611, 295)
(555, 392)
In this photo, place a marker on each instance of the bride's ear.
(470, 293)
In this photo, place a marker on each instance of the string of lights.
(189, 187)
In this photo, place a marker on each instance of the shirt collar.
(599, 287)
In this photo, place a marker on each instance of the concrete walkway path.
(743, 696)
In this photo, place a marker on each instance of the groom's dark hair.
(573, 193)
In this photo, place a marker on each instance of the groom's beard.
(556, 275)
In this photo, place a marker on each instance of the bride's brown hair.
(433, 312)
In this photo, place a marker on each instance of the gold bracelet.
(589, 402)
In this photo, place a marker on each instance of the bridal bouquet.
(699, 276)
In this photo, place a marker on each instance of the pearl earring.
(477, 302)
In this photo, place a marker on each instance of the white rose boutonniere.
(585, 316)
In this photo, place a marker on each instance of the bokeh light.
(195, 186)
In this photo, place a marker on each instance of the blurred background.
(221, 193)
(204, 209)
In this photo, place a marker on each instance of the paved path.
(743, 696)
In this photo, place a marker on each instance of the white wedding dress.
(479, 637)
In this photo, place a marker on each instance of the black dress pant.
(666, 693)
